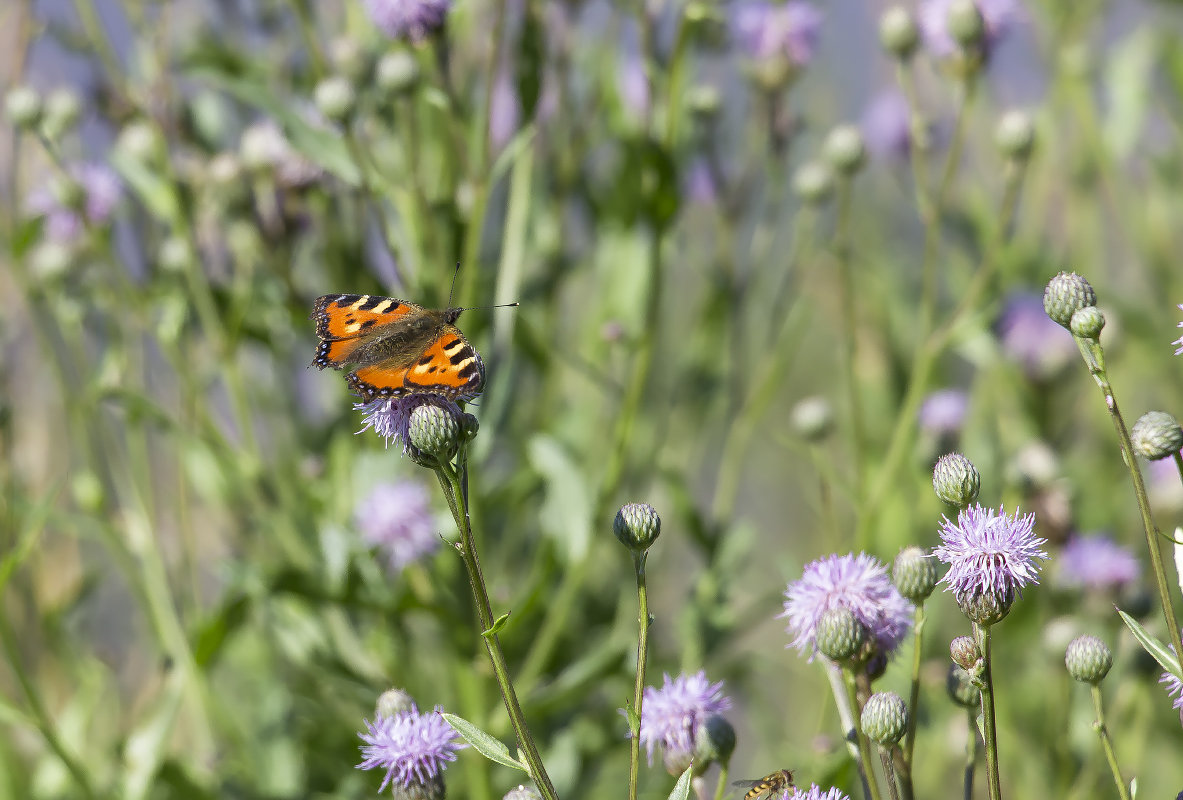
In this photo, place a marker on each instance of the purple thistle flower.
(887, 126)
(412, 747)
(773, 30)
(396, 518)
(1030, 338)
(989, 553)
(101, 191)
(814, 792)
(408, 19)
(671, 715)
(856, 582)
(997, 18)
(1179, 341)
(391, 418)
(1174, 688)
(944, 411)
(1096, 562)
(632, 83)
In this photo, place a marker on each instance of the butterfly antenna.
(452, 291)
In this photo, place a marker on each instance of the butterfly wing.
(345, 321)
(448, 366)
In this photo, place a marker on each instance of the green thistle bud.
(885, 718)
(469, 427)
(915, 574)
(348, 57)
(813, 182)
(1156, 435)
(840, 635)
(961, 688)
(431, 789)
(22, 106)
(1088, 659)
(965, 23)
(50, 260)
(812, 418)
(965, 653)
(335, 98)
(435, 430)
(714, 741)
(988, 608)
(1015, 135)
(1066, 294)
(175, 254)
(139, 141)
(845, 150)
(1087, 323)
(88, 492)
(61, 112)
(396, 72)
(637, 526)
(955, 479)
(393, 701)
(523, 792)
(898, 32)
(704, 101)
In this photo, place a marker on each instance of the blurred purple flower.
(391, 418)
(770, 30)
(397, 519)
(1095, 562)
(1179, 341)
(100, 189)
(670, 716)
(943, 411)
(408, 19)
(1030, 338)
(814, 792)
(997, 17)
(700, 184)
(632, 83)
(1174, 688)
(989, 553)
(887, 126)
(410, 746)
(1164, 485)
(504, 110)
(856, 582)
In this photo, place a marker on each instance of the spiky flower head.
(856, 582)
(777, 38)
(815, 792)
(1066, 294)
(991, 557)
(965, 653)
(391, 419)
(844, 149)
(1087, 323)
(955, 479)
(950, 25)
(885, 718)
(413, 748)
(672, 715)
(714, 742)
(408, 19)
(1156, 435)
(393, 701)
(961, 688)
(396, 519)
(1088, 659)
(915, 573)
(637, 526)
(1097, 563)
(434, 428)
(1174, 688)
(898, 32)
(840, 635)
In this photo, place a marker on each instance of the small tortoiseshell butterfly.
(396, 348)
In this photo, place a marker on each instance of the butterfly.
(772, 783)
(396, 348)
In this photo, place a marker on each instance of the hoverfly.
(773, 783)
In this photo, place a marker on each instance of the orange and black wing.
(449, 366)
(344, 321)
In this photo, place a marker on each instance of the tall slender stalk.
(1107, 743)
(989, 722)
(639, 690)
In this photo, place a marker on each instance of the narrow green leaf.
(498, 624)
(1154, 647)
(682, 787)
(634, 720)
(482, 742)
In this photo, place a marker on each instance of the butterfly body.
(774, 782)
(396, 348)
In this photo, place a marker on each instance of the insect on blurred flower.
(672, 715)
(1097, 563)
(856, 582)
(814, 792)
(998, 16)
(412, 748)
(408, 19)
(990, 554)
(92, 193)
(397, 519)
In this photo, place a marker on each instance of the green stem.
(889, 773)
(862, 744)
(971, 753)
(639, 690)
(457, 497)
(721, 784)
(842, 250)
(989, 723)
(914, 697)
(1107, 743)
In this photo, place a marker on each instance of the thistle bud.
(1066, 294)
(915, 574)
(960, 686)
(840, 635)
(964, 652)
(637, 526)
(393, 701)
(1088, 659)
(22, 106)
(175, 254)
(965, 24)
(1015, 135)
(140, 142)
(898, 32)
(396, 72)
(845, 150)
(1087, 323)
(988, 608)
(61, 112)
(955, 479)
(813, 182)
(704, 101)
(335, 98)
(714, 741)
(1156, 435)
(434, 430)
(812, 418)
(885, 718)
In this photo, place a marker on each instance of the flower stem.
(889, 773)
(989, 724)
(854, 732)
(721, 785)
(634, 767)
(1107, 743)
(971, 752)
(842, 250)
(455, 490)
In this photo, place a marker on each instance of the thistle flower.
(998, 16)
(671, 715)
(857, 582)
(814, 792)
(397, 519)
(408, 19)
(943, 411)
(991, 555)
(1174, 689)
(1179, 341)
(98, 191)
(391, 418)
(411, 747)
(770, 31)
(887, 126)
(1097, 563)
